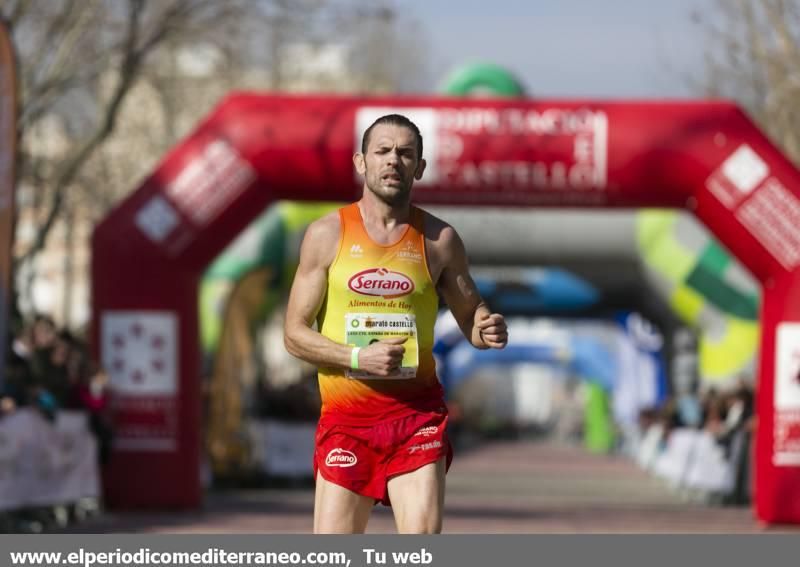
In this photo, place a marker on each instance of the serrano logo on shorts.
(340, 458)
(381, 282)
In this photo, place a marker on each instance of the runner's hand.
(382, 358)
(493, 330)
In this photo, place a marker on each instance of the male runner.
(368, 276)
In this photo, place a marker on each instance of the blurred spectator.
(92, 395)
(50, 369)
(669, 417)
(56, 378)
(736, 438)
(690, 411)
(16, 387)
(47, 370)
(714, 412)
(43, 335)
(22, 347)
(570, 399)
(728, 418)
(739, 408)
(7, 405)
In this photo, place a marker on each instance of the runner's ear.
(358, 161)
(420, 169)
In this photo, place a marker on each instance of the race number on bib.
(363, 329)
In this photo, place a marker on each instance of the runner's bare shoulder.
(438, 233)
(321, 241)
(440, 238)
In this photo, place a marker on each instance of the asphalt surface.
(500, 487)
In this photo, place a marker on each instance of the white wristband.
(354, 358)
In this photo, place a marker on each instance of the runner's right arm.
(317, 253)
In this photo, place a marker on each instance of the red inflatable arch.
(150, 252)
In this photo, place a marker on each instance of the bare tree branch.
(18, 10)
(754, 57)
(80, 61)
(70, 166)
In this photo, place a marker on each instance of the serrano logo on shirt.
(381, 282)
(339, 457)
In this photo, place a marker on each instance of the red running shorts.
(363, 459)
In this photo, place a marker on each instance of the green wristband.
(354, 358)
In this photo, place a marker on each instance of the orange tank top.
(374, 292)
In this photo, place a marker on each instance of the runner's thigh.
(418, 498)
(338, 510)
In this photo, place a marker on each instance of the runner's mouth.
(391, 177)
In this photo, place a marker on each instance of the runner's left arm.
(480, 326)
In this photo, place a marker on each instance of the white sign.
(738, 176)
(745, 169)
(787, 367)
(139, 351)
(523, 153)
(210, 182)
(786, 449)
(156, 219)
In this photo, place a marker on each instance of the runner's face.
(391, 163)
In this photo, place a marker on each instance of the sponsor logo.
(356, 251)
(738, 176)
(157, 219)
(745, 169)
(427, 431)
(381, 282)
(340, 458)
(410, 253)
(424, 447)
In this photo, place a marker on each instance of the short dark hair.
(395, 120)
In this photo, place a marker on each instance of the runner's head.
(392, 120)
(391, 158)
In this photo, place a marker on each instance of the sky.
(571, 48)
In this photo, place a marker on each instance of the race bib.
(363, 329)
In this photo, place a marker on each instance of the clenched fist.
(382, 358)
(492, 329)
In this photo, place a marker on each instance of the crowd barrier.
(49, 463)
(692, 459)
(44, 463)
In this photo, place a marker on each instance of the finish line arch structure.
(150, 252)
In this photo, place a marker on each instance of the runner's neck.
(383, 223)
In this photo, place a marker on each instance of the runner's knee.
(429, 522)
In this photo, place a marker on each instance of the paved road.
(502, 487)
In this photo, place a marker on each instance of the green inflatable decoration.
(707, 289)
(477, 78)
(237, 293)
(268, 241)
